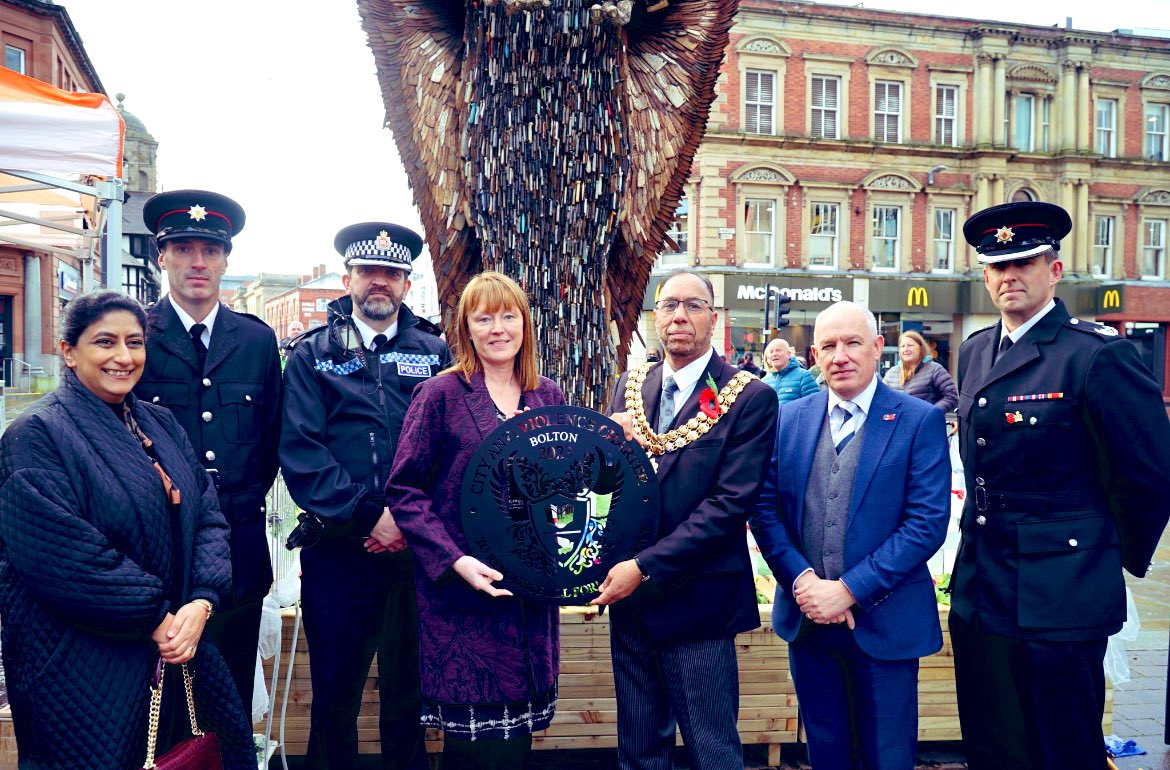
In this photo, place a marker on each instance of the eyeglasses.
(692, 306)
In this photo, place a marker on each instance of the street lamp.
(930, 174)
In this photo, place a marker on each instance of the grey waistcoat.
(826, 503)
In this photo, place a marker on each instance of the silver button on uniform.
(979, 480)
(983, 402)
(207, 417)
(1072, 541)
(247, 398)
(210, 456)
(155, 400)
(981, 520)
(206, 382)
(981, 441)
(1033, 421)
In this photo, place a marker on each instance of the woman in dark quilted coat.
(489, 659)
(112, 554)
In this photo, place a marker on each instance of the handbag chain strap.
(156, 711)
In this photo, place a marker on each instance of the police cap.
(378, 243)
(193, 214)
(1016, 230)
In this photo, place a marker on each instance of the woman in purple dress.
(489, 660)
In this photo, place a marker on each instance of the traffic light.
(767, 307)
(783, 308)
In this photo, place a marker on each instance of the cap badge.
(1004, 235)
(197, 212)
(383, 241)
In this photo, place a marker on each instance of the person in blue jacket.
(785, 375)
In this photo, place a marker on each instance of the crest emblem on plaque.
(554, 498)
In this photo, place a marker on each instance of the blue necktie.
(666, 408)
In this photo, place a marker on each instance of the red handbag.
(200, 752)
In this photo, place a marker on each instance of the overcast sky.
(277, 105)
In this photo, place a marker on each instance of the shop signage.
(806, 293)
(1111, 298)
(904, 295)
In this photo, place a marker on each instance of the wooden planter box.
(586, 713)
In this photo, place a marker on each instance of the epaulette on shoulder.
(984, 330)
(429, 327)
(1099, 330)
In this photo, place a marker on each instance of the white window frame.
(679, 233)
(1104, 244)
(943, 240)
(754, 204)
(22, 55)
(321, 305)
(1105, 126)
(1016, 110)
(887, 109)
(1156, 144)
(1155, 247)
(876, 239)
(754, 108)
(817, 208)
(941, 117)
(835, 110)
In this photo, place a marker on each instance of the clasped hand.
(178, 635)
(824, 601)
(385, 537)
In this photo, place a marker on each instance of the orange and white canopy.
(45, 129)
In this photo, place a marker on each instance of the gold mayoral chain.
(684, 434)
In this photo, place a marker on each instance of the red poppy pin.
(709, 399)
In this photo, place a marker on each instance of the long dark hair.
(86, 309)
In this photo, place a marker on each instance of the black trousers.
(1028, 704)
(497, 754)
(236, 632)
(356, 604)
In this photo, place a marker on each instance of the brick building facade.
(847, 146)
(308, 302)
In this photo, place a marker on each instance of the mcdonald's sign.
(917, 296)
(1111, 299)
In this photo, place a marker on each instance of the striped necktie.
(845, 431)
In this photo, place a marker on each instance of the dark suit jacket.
(1073, 485)
(702, 584)
(231, 413)
(898, 516)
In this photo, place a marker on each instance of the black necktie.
(197, 339)
(379, 341)
(1004, 345)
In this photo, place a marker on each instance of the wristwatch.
(638, 564)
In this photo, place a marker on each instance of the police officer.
(218, 371)
(1066, 450)
(348, 385)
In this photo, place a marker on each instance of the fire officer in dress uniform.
(218, 371)
(1066, 450)
(348, 385)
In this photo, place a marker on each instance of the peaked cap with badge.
(193, 214)
(378, 243)
(1016, 230)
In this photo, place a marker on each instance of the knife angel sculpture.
(550, 140)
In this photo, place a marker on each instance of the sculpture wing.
(673, 59)
(418, 51)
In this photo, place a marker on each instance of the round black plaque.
(554, 498)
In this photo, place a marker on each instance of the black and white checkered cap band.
(368, 253)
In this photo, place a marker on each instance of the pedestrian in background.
(787, 377)
(920, 377)
(1066, 451)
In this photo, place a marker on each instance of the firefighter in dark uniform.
(348, 384)
(218, 371)
(1066, 450)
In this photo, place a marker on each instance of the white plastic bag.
(269, 626)
(1116, 662)
(259, 692)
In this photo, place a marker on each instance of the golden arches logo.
(1112, 299)
(917, 296)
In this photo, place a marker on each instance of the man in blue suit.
(856, 500)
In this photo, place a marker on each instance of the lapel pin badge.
(888, 417)
(1013, 417)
